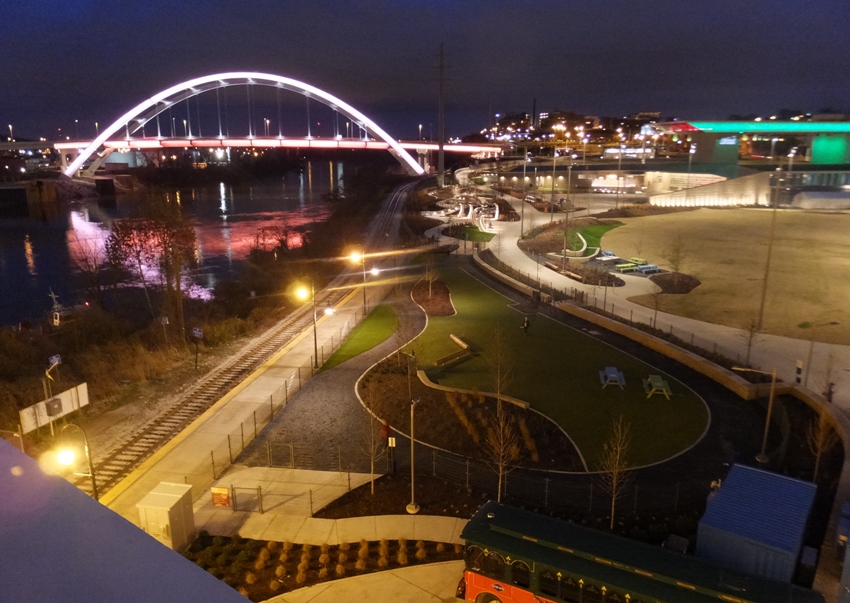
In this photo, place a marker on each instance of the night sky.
(92, 60)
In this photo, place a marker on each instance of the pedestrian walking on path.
(524, 326)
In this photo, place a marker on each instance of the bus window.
(474, 558)
(520, 574)
(591, 594)
(570, 591)
(494, 566)
(548, 583)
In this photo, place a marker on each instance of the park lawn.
(557, 372)
(593, 234)
(726, 249)
(381, 323)
(473, 233)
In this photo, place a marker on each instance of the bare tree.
(656, 299)
(496, 244)
(614, 476)
(502, 444)
(374, 442)
(431, 272)
(750, 335)
(676, 254)
(821, 437)
(89, 257)
(131, 244)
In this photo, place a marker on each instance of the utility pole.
(441, 127)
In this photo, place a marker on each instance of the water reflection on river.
(37, 253)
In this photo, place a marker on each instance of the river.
(37, 254)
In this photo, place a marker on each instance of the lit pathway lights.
(360, 258)
(66, 455)
(761, 457)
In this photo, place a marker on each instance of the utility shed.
(756, 522)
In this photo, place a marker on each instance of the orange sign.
(221, 497)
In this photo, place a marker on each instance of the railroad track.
(119, 462)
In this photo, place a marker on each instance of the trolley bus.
(515, 556)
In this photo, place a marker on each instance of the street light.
(303, 293)
(420, 131)
(11, 134)
(360, 258)
(761, 457)
(267, 126)
(412, 508)
(66, 456)
(808, 325)
(691, 152)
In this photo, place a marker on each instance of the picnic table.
(637, 260)
(654, 384)
(627, 267)
(612, 375)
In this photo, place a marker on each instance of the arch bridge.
(148, 111)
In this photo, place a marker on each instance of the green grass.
(556, 371)
(593, 234)
(473, 234)
(378, 327)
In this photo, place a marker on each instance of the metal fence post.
(299, 378)
(311, 503)
(212, 458)
(233, 504)
(292, 455)
(271, 407)
(229, 449)
(260, 498)
(242, 433)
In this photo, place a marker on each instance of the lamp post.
(360, 258)
(552, 197)
(303, 293)
(522, 207)
(11, 134)
(808, 325)
(761, 457)
(66, 456)
(420, 131)
(266, 120)
(412, 508)
(691, 152)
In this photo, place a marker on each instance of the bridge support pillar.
(67, 157)
(422, 156)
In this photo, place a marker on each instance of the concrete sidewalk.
(286, 514)
(429, 583)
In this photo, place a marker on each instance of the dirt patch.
(260, 570)
(675, 282)
(643, 209)
(434, 298)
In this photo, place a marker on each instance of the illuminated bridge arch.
(139, 115)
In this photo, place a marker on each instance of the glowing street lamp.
(11, 134)
(304, 293)
(360, 258)
(66, 456)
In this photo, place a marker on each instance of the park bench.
(637, 261)
(627, 267)
(552, 266)
(462, 354)
(574, 276)
(654, 384)
(610, 375)
(649, 268)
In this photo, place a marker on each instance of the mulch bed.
(260, 570)
(675, 282)
(435, 298)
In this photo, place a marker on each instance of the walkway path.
(430, 583)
